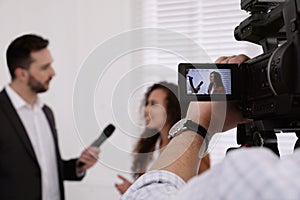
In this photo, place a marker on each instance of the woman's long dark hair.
(217, 79)
(144, 148)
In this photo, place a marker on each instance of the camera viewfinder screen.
(208, 81)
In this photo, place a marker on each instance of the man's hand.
(122, 187)
(88, 157)
(237, 59)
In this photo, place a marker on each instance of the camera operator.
(250, 173)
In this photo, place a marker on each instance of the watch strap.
(200, 130)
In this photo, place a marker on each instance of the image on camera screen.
(208, 81)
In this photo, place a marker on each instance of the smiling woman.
(161, 112)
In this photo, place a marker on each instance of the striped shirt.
(251, 173)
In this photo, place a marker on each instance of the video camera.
(266, 87)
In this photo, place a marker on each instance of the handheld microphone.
(106, 133)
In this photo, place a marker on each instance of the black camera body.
(272, 86)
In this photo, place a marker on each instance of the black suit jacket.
(20, 174)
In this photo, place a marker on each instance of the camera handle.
(255, 134)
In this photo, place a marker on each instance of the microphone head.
(109, 130)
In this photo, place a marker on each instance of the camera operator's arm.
(181, 156)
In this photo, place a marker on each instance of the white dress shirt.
(250, 173)
(41, 138)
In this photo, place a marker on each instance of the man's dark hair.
(18, 52)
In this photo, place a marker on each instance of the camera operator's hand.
(238, 59)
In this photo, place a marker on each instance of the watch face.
(177, 127)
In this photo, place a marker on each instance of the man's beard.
(35, 85)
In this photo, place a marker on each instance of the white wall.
(74, 28)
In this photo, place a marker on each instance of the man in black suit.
(30, 163)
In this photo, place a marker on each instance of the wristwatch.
(185, 124)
